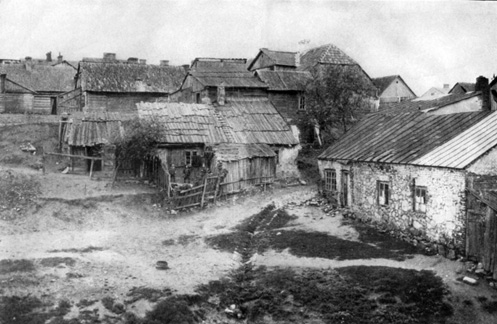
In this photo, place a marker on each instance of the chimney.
(446, 86)
(133, 60)
(109, 56)
(482, 85)
(28, 63)
(221, 95)
(143, 62)
(59, 58)
(164, 62)
(3, 78)
(186, 67)
(49, 57)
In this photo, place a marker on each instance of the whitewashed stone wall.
(444, 219)
(287, 162)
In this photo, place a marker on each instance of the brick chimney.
(29, 63)
(3, 78)
(49, 57)
(164, 62)
(133, 60)
(59, 58)
(482, 85)
(109, 56)
(221, 95)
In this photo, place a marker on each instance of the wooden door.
(345, 188)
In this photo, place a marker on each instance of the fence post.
(203, 193)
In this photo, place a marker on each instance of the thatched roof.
(40, 78)
(124, 77)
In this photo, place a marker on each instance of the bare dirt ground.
(83, 242)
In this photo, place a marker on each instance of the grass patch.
(15, 309)
(170, 311)
(21, 265)
(267, 219)
(150, 294)
(334, 296)
(17, 193)
(55, 261)
(489, 306)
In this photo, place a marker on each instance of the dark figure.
(172, 173)
(188, 172)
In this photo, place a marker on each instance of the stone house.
(393, 89)
(34, 86)
(411, 171)
(113, 85)
(206, 75)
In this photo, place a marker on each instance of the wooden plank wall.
(124, 102)
(15, 103)
(247, 169)
(286, 102)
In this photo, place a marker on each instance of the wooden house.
(33, 86)
(275, 61)
(207, 74)
(247, 135)
(462, 88)
(113, 85)
(393, 89)
(411, 171)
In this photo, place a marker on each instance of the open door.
(345, 188)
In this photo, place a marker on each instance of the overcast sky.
(427, 43)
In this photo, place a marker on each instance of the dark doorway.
(53, 104)
(94, 151)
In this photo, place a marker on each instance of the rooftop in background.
(288, 59)
(434, 93)
(117, 77)
(205, 64)
(463, 87)
(453, 140)
(284, 80)
(423, 105)
(325, 54)
(32, 77)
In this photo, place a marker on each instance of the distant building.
(33, 86)
(393, 89)
(434, 93)
(462, 87)
(112, 85)
(275, 60)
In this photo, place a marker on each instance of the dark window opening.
(383, 193)
(420, 199)
(330, 180)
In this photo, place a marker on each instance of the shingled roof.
(228, 79)
(277, 58)
(123, 77)
(242, 121)
(326, 54)
(284, 80)
(207, 64)
(466, 86)
(40, 78)
(418, 139)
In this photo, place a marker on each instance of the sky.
(427, 43)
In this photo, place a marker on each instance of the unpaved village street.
(104, 244)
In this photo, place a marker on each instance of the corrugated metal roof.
(401, 138)
(285, 80)
(235, 152)
(466, 147)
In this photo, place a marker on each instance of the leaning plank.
(75, 156)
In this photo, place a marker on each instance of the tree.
(336, 97)
(138, 142)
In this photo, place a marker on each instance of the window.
(330, 180)
(383, 193)
(189, 157)
(420, 199)
(302, 102)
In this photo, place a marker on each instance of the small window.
(302, 102)
(330, 180)
(383, 193)
(189, 157)
(420, 199)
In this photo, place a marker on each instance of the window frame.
(189, 154)
(420, 207)
(302, 102)
(330, 185)
(383, 190)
